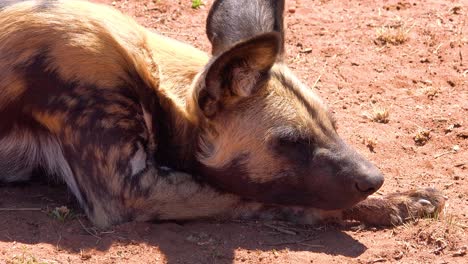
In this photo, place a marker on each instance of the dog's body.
(143, 127)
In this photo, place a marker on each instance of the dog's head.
(265, 135)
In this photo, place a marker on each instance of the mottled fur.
(144, 127)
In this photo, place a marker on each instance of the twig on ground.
(88, 231)
(298, 242)
(20, 209)
(311, 245)
(442, 154)
(280, 229)
(316, 81)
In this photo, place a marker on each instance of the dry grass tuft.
(443, 235)
(61, 213)
(24, 258)
(441, 232)
(380, 115)
(391, 36)
(432, 92)
(370, 144)
(422, 137)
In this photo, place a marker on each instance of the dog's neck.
(176, 138)
(177, 66)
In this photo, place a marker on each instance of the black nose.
(370, 181)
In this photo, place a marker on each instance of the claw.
(424, 202)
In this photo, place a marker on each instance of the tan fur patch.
(54, 122)
(12, 86)
(112, 45)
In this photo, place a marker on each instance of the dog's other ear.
(232, 21)
(238, 72)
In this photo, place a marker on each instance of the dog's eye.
(296, 149)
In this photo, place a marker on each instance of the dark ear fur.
(5, 3)
(238, 72)
(231, 21)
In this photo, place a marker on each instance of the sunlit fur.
(275, 109)
(140, 93)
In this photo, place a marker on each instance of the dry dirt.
(395, 74)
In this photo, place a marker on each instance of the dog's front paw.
(397, 208)
(415, 204)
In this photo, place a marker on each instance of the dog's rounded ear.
(232, 21)
(247, 38)
(238, 72)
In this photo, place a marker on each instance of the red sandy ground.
(422, 83)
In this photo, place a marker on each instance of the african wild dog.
(141, 127)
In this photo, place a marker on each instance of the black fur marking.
(41, 6)
(89, 114)
(169, 153)
(313, 112)
(297, 150)
(235, 178)
(18, 113)
(47, 91)
(165, 171)
(45, 5)
(5, 3)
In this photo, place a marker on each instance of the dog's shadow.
(27, 216)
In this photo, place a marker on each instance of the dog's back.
(71, 70)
